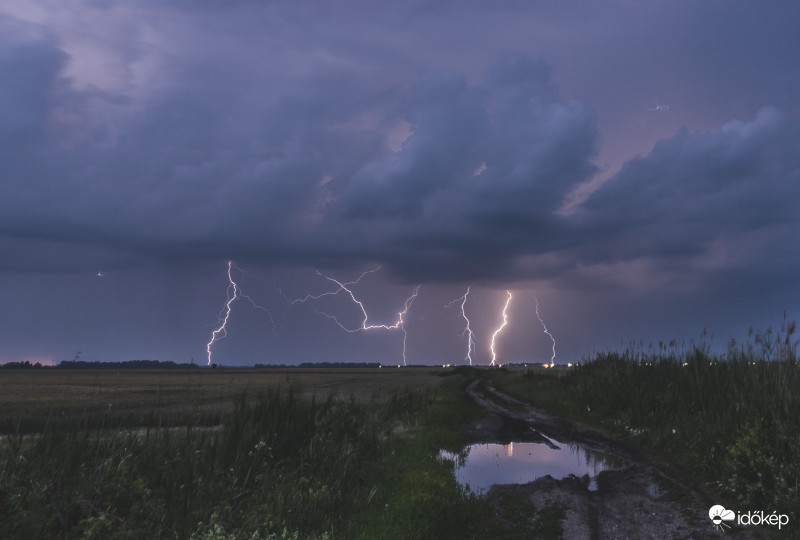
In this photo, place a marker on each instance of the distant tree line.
(23, 365)
(83, 364)
(320, 365)
(160, 364)
(127, 364)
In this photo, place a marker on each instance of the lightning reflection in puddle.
(480, 466)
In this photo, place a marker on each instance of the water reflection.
(482, 465)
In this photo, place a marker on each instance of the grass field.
(29, 399)
(352, 453)
(294, 454)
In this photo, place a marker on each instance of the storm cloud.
(447, 143)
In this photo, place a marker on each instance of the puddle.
(523, 462)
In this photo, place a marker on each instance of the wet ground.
(633, 499)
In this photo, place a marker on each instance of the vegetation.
(32, 399)
(731, 419)
(274, 454)
(281, 467)
(526, 522)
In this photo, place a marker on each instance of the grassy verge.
(732, 420)
(282, 467)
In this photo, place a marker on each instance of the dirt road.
(635, 500)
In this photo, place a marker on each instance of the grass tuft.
(282, 467)
(731, 419)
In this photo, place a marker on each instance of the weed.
(731, 419)
(283, 466)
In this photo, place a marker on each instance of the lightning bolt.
(341, 288)
(227, 310)
(500, 328)
(399, 323)
(546, 331)
(222, 330)
(467, 329)
(401, 318)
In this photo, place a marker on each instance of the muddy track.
(634, 500)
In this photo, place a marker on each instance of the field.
(352, 453)
(234, 454)
(29, 399)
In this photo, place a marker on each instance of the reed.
(283, 466)
(731, 419)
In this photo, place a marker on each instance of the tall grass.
(733, 419)
(282, 468)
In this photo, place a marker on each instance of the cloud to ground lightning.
(500, 328)
(399, 323)
(546, 331)
(339, 287)
(222, 330)
(467, 329)
(233, 292)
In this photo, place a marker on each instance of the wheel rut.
(636, 499)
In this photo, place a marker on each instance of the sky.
(631, 167)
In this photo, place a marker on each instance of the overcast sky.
(634, 166)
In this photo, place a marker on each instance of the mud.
(636, 500)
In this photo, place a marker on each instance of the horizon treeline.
(168, 364)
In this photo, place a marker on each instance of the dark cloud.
(444, 179)
(697, 188)
(448, 125)
(29, 68)
(310, 174)
(450, 142)
(482, 174)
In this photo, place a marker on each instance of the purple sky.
(633, 165)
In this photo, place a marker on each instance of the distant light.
(569, 364)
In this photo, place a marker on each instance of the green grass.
(283, 466)
(732, 420)
(30, 399)
(242, 454)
